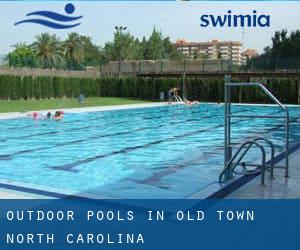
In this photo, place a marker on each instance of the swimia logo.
(52, 19)
(236, 20)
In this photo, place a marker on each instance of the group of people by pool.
(174, 96)
(58, 115)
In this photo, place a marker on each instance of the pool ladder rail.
(178, 99)
(236, 161)
(231, 163)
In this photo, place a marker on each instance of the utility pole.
(184, 71)
(119, 30)
(243, 38)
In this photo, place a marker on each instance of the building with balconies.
(226, 50)
(248, 54)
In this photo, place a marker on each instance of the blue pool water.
(164, 152)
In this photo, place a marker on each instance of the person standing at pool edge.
(172, 93)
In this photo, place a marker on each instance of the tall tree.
(158, 47)
(92, 53)
(155, 49)
(78, 51)
(171, 51)
(49, 51)
(22, 56)
(284, 52)
(74, 51)
(123, 47)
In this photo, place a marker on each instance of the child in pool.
(58, 115)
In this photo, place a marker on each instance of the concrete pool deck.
(279, 188)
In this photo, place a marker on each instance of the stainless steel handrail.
(271, 158)
(228, 115)
(178, 99)
(231, 165)
(272, 153)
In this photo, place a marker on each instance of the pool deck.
(279, 188)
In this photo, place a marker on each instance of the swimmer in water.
(35, 116)
(49, 115)
(187, 102)
(58, 115)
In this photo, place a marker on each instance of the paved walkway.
(279, 188)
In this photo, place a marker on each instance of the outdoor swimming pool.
(161, 152)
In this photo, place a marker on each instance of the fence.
(126, 68)
(131, 68)
(272, 63)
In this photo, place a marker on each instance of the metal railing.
(178, 99)
(229, 170)
(227, 123)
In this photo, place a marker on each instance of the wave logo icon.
(52, 19)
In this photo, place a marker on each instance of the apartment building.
(248, 54)
(226, 50)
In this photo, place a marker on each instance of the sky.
(178, 20)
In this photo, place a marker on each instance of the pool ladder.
(236, 161)
(231, 163)
(178, 99)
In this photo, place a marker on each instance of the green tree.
(155, 49)
(171, 51)
(74, 52)
(92, 53)
(22, 56)
(123, 47)
(49, 51)
(78, 51)
(284, 52)
(158, 47)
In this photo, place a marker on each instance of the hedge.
(28, 87)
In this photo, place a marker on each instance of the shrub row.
(16, 87)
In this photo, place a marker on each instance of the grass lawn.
(29, 105)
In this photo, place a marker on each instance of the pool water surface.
(161, 152)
